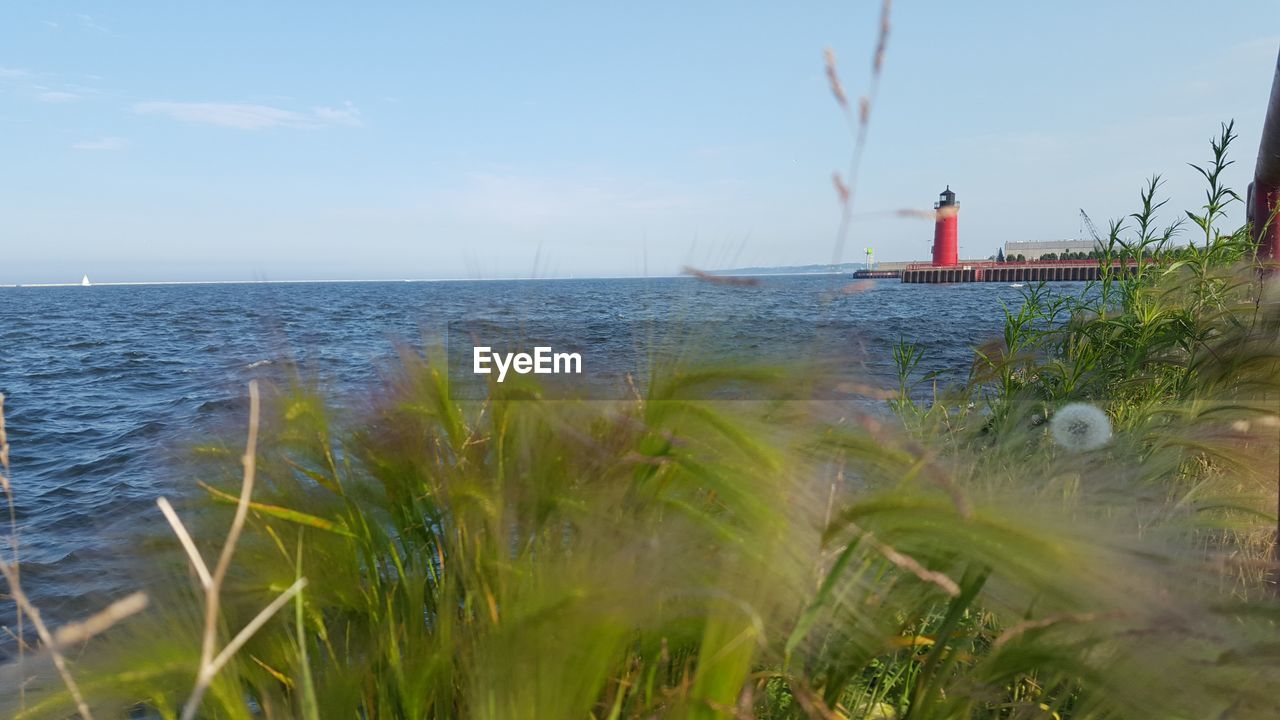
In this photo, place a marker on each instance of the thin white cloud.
(102, 144)
(348, 115)
(248, 116)
(57, 96)
(242, 116)
(13, 73)
(88, 23)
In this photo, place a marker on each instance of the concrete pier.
(1052, 271)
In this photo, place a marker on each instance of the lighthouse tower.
(946, 235)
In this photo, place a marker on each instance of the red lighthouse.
(946, 234)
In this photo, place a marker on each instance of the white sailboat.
(84, 282)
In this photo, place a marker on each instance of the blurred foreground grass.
(662, 557)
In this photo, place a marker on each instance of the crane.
(1093, 231)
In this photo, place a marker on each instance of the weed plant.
(665, 557)
(1082, 530)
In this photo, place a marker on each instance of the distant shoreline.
(306, 282)
(753, 272)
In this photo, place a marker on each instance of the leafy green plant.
(666, 557)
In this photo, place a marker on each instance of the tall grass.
(665, 557)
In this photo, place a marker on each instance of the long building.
(1036, 249)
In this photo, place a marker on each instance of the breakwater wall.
(1077, 271)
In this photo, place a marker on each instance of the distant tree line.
(1172, 253)
(1064, 255)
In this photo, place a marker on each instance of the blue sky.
(324, 140)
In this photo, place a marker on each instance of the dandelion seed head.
(1080, 427)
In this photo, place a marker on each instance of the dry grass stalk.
(810, 701)
(11, 575)
(913, 566)
(254, 625)
(4, 450)
(868, 391)
(882, 41)
(842, 190)
(918, 214)
(13, 543)
(78, 632)
(26, 607)
(833, 78)
(197, 562)
(67, 635)
(865, 105)
(211, 659)
(721, 279)
(1029, 625)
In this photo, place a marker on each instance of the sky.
(234, 140)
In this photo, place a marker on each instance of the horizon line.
(121, 283)
(118, 283)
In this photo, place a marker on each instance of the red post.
(1261, 204)
(946, 233)
(1264, 192)
(1263, 201)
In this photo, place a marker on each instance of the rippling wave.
(104, 383)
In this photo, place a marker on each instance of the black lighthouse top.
(946, 198)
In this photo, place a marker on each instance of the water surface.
(105, 384)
